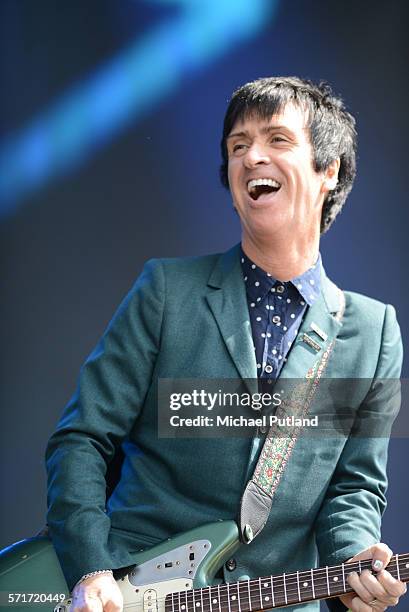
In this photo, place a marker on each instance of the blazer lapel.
(302, 356)
(228, 303)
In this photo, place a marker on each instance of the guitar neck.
(277, 591)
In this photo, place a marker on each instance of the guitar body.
(31, 567)
(178, 575)
(187, 561)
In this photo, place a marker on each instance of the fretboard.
(281, 590)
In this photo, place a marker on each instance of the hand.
(96, 594)
(373, 593)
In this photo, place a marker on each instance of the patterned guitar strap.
(258, 495)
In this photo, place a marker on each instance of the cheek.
(233, 177)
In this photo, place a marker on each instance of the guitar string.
(279, 591)
(278, 580)
(318, 574)
(279, 601)
(223, 603)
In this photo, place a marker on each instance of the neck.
(281, 590)
(283, 259)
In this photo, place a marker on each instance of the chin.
(267, 226)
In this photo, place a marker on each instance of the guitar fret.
(298, 585)
(238, 596)
(272, 591)
(228, 597)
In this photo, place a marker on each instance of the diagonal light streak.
(89, 115)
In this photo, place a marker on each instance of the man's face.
(273, 183)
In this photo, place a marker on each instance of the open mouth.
(262, 186)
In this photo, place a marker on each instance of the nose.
(256, 154)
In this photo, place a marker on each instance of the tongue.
(263, 192)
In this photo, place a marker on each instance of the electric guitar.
(177, 575)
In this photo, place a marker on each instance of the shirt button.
(280, 289)
(268, 369)
(276, 319)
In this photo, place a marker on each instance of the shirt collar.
(259, 282)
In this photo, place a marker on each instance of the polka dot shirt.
(276, 311)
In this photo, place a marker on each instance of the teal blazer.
(188, 318)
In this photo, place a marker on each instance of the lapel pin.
(308, 340)
(318, 331)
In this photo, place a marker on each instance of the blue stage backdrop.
(111, 119)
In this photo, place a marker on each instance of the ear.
(331, 176)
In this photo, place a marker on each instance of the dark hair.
(332, 128)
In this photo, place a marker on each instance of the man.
(288, 153)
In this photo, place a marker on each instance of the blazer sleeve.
(112, 387)
(350, 517)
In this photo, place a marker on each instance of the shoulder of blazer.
(211, 269)
(366, 310)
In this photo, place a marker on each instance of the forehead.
(291, 117)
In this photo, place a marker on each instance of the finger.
(357, 605)
(87, 603)
(393, 587)
(360, 589)
(114, 601)
(93, 604)
(374, 587)
(367, 592)
(381, 555)
(113, 606)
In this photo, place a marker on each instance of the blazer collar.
(228, 303)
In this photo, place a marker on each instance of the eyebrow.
(266, 129)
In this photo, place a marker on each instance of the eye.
(278, 139)
(239, 146)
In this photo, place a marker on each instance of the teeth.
(263, 181)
